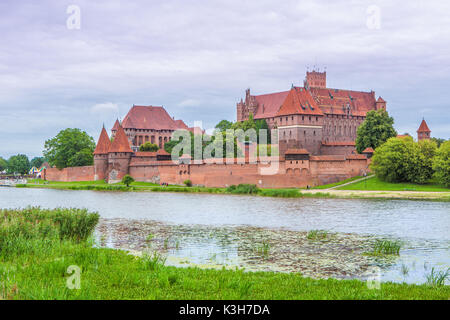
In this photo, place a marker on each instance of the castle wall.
(71, 174)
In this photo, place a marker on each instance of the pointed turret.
(103, 143)
(120, 143)
(423, 132)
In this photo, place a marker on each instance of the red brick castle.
(320, 119)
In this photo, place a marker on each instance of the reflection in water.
(423, 226)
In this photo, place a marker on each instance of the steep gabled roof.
(103, 143)
(116, 125)
(269, 104)
(148, 117)
(423, 127)
(120, 143)
(179, 124)
(299, 101)
(297, 151)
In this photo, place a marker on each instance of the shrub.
(403, 160)
(188, 183)
(127, 180)
(148, 146)
(243, 189)
(441, 164)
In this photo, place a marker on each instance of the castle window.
(309, 118)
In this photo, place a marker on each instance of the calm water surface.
(424, 226)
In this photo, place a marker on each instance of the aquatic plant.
(317, 234)
(438, 278)
(153, 261)
(263, 249)
(385, 247)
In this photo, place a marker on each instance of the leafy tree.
(441, 164)
(403, 160)
(70, 147)
(127, 180)
(168, 146)
(438, 141)
(390, 161)
(188, 183)
(148, 146)
(376, 129)
(224, 125)
(422, 171)
(3, 164)
(18, 164)
(37, 162)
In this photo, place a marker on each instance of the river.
(423, 226)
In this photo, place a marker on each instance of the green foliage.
(224, 125)
(127, 180)
(3, 164)
(438, 141)
(70, 147)
(317, 234)
(18, 164)
(438, 278)
(376, 129)
(403, 160)
(385, 247)
(441, 164)
(188, 183)
(148, 146)
(37, 162)
(243, 189)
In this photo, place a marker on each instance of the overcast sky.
(196, 58)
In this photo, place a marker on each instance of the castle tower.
(380, 104)
(423, 133)
(101, 156)
(119, 156)
(315, 79)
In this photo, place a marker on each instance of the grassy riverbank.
(38, 247)
(375, 184)
(339, 192)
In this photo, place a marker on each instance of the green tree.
(391, 161)
(148, 146)
(70, 147)
(438, 141)
(422, 169)
(37, 162)
(376, 129)
(18, 164)
(441, 164)
(127, 180)
(3, 164)
(224, 125)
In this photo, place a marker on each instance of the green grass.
(385, 247)
(378, 185)
(335, 184)
(317, 234)
(36, 252)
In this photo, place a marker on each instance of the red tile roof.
(148, 117)
(145, 154)
(380, 99)
(181, 125)
(299, 101)
(423, 127)
(333, 101)
(403, 136)
(339, 143)
(356, 157)
(116, 125)
(103, 143)
(269, 104)
(162, 152)
(368, 150)
(120, 143)
(297, 151)
(328, 158)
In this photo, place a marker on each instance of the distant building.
(313, 117)
(423, 133)
(148, 124)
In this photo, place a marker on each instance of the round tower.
(119, 156)
(101, 156)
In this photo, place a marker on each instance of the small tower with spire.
(423, 133)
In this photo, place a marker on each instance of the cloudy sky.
(84, 63)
